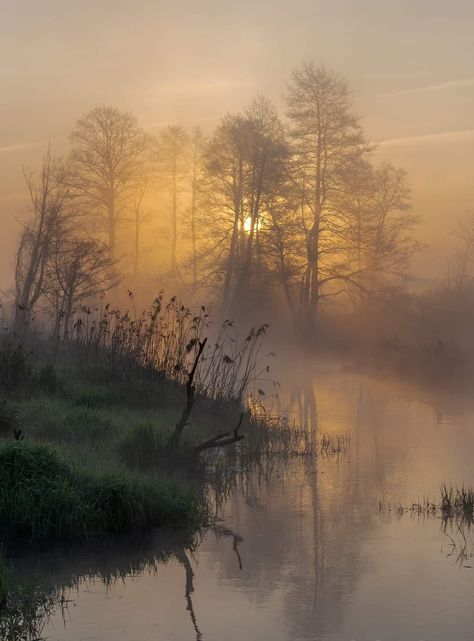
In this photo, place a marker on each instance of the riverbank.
(67, 468)
(85, 444)
(88, 427)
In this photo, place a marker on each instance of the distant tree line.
(291, 209)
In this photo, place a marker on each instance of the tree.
(109, 152)
(50, 198)
(391, 223)
(327, 139)
(139, 217)
(80, 269)
(197, 144)
(460, 269)
(173, 166)
(245, 169)
(378, 230)
(284, 240)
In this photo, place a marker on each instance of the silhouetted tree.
(79, 270)
(197, 144)
(109, 152)
(50, 197)
(140, 215)
(173, 168)
(245, 162)
(327, 139)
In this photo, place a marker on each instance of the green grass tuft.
(41, 497)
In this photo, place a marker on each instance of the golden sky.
(410, 63)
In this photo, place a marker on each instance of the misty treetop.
(270, 208)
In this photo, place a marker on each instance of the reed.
(457, 503)
(162, 343)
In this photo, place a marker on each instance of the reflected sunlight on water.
(308, 554)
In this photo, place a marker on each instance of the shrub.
(48, 380)
(145, 448)
(141, 447)
(14, 367)
(42, 498)
(38, 495)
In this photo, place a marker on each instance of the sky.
(410, 64)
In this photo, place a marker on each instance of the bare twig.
(221, 439)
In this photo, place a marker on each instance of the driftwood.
(219, 440)
(190, 390)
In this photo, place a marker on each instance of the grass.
(457, 503)
(24, 607)
(93, 458)
(86, 422)
(162, 343)
(44, 498)
(453, 505)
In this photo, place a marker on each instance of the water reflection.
(304, 553)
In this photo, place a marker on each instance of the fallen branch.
(190, 389)
(221, 439)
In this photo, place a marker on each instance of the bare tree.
(109, 152)
(50, 197)
(391, 223)
(376, 225)
(327, 138)
(245, 168)
(140, 215)
(197, 144)
(460, 269)
(284, 246)
(173, 167)
(79, 271)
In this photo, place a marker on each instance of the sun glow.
(257, 224)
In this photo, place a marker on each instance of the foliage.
(42, 497)
(143, 447)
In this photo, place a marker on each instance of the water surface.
(320, 550)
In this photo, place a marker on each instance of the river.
(319, 550)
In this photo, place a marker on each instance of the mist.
(410, 70)
(236, 312)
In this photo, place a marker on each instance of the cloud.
(193, 121)
(452, 84)
(9, 148)
(445, 136)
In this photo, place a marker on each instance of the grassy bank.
(84, 453)
(110, 429)
(88, 426)
(45, 497)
